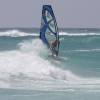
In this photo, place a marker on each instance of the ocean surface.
(28, 72)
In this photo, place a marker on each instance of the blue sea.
(28, 71)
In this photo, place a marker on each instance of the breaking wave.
(87, 50)
(17, 33)
(30, 67)
(79, 34)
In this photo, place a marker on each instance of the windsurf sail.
(49, 29)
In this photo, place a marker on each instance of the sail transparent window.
(49, 36)
(48, 16)
(52, 26)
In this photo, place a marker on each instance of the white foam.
(78, 34)
(87, 50)
(29, 67)
(16, 33)
(27, 61)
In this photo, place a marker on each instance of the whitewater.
(27, 70)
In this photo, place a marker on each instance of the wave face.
(28, 64)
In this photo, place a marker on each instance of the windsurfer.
(54, 46)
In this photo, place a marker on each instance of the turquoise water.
(28, 72)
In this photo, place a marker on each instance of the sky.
(69, 13)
